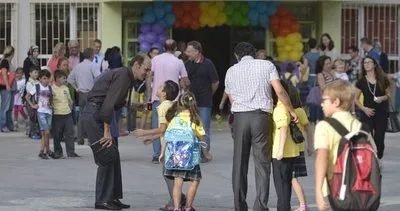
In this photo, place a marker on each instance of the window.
(61, 22)
(5, 25)
(349, 28)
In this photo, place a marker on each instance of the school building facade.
(117, 23)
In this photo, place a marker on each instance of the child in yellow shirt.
(284, 152)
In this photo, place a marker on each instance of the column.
(111, 24)
(23, 31)
(331, 21)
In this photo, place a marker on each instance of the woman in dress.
(328, 47)
(375, 86)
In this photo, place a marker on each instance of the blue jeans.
(154, 124)
(205, 115)
(7, 102)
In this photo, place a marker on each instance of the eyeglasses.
(368, 62)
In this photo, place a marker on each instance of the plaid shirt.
(249, 84)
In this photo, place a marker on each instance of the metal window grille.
(62, 22)
(375, 21)
(6, 10)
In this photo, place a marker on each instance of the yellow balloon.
(283, 57)
(298, 46)
(294, 56)
(298, 36)
(288, 47)
(212, 23)
(213, 11)
(281, 50)
(221, 19)
(280, 41)
(204, 19)
(203, 6)
(291, 39)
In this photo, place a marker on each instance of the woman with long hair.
(31, 61)
(328, 47)
(7, 99)
(375, 86)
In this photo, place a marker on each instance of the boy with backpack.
(337, 139)
(43, 97)
(33, 130)
(63, 126)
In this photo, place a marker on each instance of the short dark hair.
(269, 58)
(170, 45)
(151, 50)
(97, 41)
(245, 49)
(319, 66)
(366, 40)
(139, 59)
(353, 48)
(59, 74)
(331, 43)
(34, 69)
(312, 43)
(44, 73)
(88, 53)
(19, 70)
(196, 45)
(290, 67)
(171, 89)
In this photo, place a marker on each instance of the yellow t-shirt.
(162, 111)
(281, 118)
(197, 129)
(325, 137)
(61, 100)
(303, 121)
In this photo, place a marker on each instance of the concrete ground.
(28, 183)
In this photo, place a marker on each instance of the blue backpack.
(182, 146)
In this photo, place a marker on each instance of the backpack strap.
(337, 126)
(290, 77)
(37, 86)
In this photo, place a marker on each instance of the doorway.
(216, 43)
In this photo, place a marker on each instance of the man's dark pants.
(63, 127)
(108, 181)
(82, 96)
(252, 129)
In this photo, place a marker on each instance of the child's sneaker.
(15, 125)
(36, 137)
(51, 154)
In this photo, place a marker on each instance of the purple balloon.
(151, 37)
(144, 47)
(141, 37)
(162, 38)
(145, 28)
(157, 28)
(157, 45)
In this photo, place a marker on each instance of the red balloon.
(196, 13)
(274, 21)
(178, 23)
(187, 21)
(178, 11)
(275, 29)
(285, 21)
(195, 25)
(282, 11)
(295, 27)
(284, 31)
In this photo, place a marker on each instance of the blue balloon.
(159, 13)
(144, 47)
(168, 7)
(253, 15)
(170, 19)
(271, 9)
(262, 7)
(148, 10)
(157, 45)
(141, 37)
(145, 28)
(162, 22)
(162, 38)
(151, 37)
(253, 22)
(149, 18)
(159, 4)
(252, 4)
(157, 28)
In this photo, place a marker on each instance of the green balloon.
(229, 10)
(245, 22)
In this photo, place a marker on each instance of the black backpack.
(356, 181)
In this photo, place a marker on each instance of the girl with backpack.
(184, 119)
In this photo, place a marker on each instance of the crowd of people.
(86, 95)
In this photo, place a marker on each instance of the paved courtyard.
(27, 183)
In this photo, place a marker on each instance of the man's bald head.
(170, 45)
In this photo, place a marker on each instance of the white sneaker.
(380, 165)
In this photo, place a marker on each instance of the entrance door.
(216, 46)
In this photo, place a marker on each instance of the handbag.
(314, 96)
(393, 124)
(104, 155)
(11, 79)
(296, 133)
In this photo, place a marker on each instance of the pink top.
(166, 67)
(73, 61)
(52, 63)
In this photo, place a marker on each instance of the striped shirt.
(249, 84)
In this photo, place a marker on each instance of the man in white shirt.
(98, 56)
(248, 85)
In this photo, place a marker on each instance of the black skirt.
(187, 175)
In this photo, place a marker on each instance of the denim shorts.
(44, 120)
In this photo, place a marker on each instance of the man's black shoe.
(155, 160)
(58, 156)
(73, 155)
(118, 203)
(106, 206)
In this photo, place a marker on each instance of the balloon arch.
(163, 15)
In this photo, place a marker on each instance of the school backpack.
(182, 146)
(356, 181)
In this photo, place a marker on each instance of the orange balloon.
(285, 22)
(284, 31)
(196, 12)
(178, 11)
(274, 21)
(195, 25)
(178, 23)
(187, 21)
(275, 29)
(281, 11)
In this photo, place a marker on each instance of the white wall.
(23, 31)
